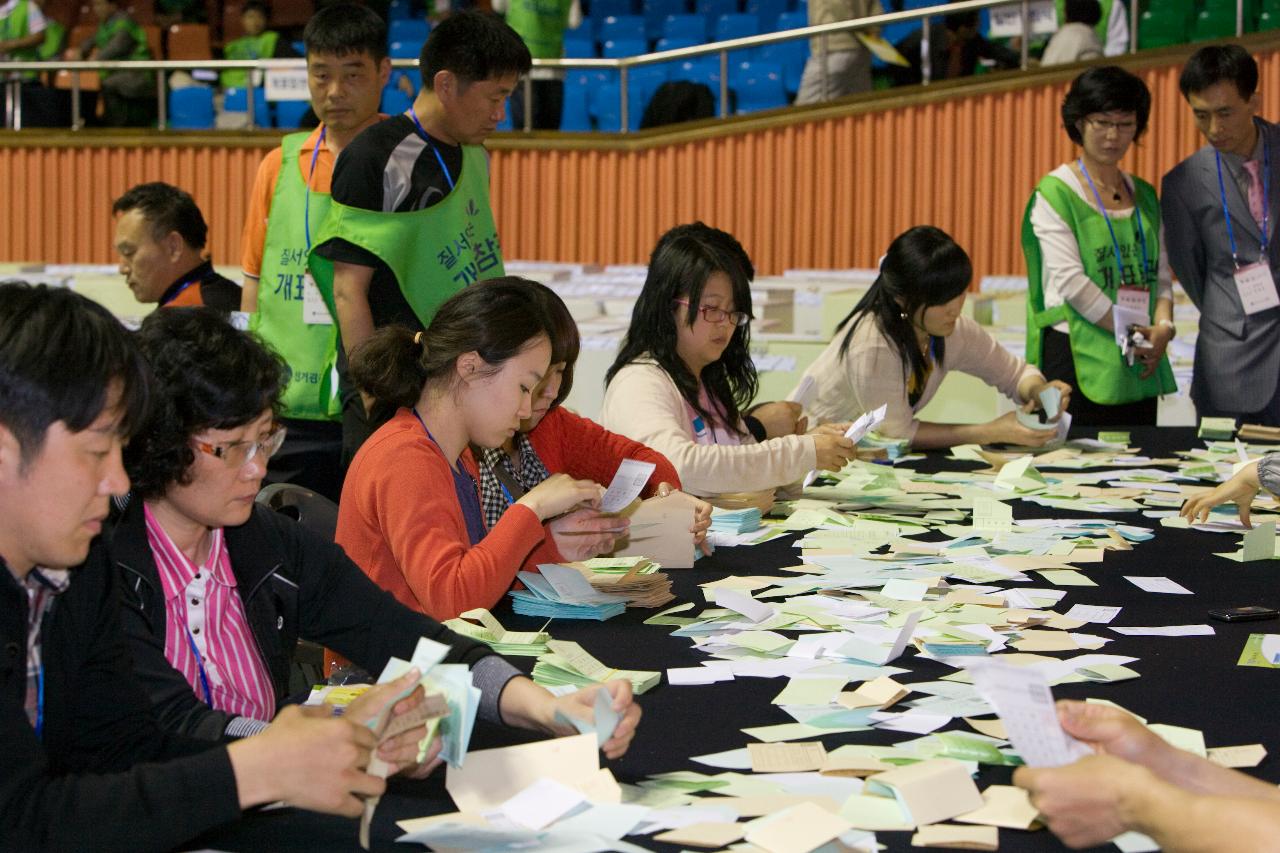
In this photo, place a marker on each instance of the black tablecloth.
(1185, 681)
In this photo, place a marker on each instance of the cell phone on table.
(1253, 613)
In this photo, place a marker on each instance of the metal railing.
(622, 65)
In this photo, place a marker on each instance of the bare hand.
(1159, 337)
(1112, 731)
(1240, 490)
(782, 417)
(1034, 405)
(1086, 803)
(581, 705)
(833, 451)
(401, 751)
(1006, 430)
(309, 759)
(587, 533)
(560, 493)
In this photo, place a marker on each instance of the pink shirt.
(204, 615)
(715, 432)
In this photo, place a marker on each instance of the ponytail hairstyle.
(685, 257)
(497, 319)
(566, 343)
(923, 267)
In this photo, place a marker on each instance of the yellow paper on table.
(797, 829)
(957, 837)
(930, 791)
(810, 691)
(991, 515)
(878, 693)
(1003, 805)
(789, 731)
(853, 764)
(1238, 756)
(875, 814)
(710, 835)
(990, 728)
(1065, 577)
(786, 757)
(660, 531)
(490, 777)
(759, 806)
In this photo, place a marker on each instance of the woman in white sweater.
(905, 335)
(684, 374)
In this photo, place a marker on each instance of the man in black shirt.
(410, 223)
(160, 235)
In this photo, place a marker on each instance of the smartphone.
(1243, 614)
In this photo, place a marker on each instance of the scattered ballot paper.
(627, 485)
(1158, 584)
(992, 515)
(1258, 544)
(855, 432)
(1021, 696)
(929, 791)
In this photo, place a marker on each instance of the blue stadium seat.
(686, 27)
(618, 48)
(400, 10)
(669, 69)
(705, 70)
(768, 12)
(791, 55)
(735, 26)
(601, 9)
(191, 108)
(713, 9)
(606, 106)
(394, 101)
(580, 43)
(758, 86)
(574, 116)
(617, 27)
(655, 16)
(289, 113)
(299, 47)
(237, 101)
(404, 49)
(408, 30)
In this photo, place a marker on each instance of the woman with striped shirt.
(218, 590)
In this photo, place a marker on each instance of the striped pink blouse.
(204, 614)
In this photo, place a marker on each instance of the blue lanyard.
(204, 678)
(505, 493)
(306, 208)
(1115, 244)
(448, 177)
(40, 701)
(1266, 204)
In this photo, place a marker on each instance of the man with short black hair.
(1220, 211)
(347, 66)
(410, 223)
(82, 763)
(160, 235)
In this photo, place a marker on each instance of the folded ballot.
(481, 625)
(561, 592)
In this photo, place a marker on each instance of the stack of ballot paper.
(483, 626)
(561, 592)
(735, 520)
(569, 664)
(636, 579)
(894, 448)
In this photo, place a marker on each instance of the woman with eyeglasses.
(1096, 258)
(684, 375)
(904, 336)
(217, 589)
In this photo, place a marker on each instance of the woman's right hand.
(1007, 430)
(1240, 490)
(560, 493)
(833, 451)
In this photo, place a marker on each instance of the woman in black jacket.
(196, 465)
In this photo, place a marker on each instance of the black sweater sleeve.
(104, 776)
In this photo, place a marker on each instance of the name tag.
(314, 311)
(1134, 298)
(1256, 287)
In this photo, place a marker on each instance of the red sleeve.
(584, 450)
(404, 501)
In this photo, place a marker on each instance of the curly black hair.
(207, 375)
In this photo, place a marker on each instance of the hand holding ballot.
(614, 715)
(1240, 490)
(586, 533)
(399, 728)
(701, 518)
(559, 494)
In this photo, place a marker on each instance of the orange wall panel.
(824, 188)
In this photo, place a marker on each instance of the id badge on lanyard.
(1255, 285)
(1127, 296)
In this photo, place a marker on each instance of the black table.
(1185, 681)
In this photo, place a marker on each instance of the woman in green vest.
(1095, 252)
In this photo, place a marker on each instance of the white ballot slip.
(627, 485)
(1021, 697)
(855, 432)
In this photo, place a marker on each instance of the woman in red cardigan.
(553, 440)
(410, 512)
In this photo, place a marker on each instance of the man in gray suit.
(1220, 208)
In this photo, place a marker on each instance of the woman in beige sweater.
(684, 374)
(904, 336)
